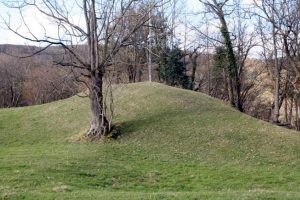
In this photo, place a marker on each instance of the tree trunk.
(140, 74)
(99, 126)
(194, 67)
(209, 73)
(230, 92)
(297, 113)
(232, 68)
(238, 101)
(277, 74)
(291, 112)
(12, 97)
(286, 110)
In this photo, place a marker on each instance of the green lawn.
(175, 144)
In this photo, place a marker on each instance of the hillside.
(175, 144)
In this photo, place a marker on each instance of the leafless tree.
(11, 79)
(90, 47)
(284, 19)
(268, 8)
(237, 43)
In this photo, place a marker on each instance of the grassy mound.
(175, 144)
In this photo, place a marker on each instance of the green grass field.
(175, 144)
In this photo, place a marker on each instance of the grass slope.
(176, 144)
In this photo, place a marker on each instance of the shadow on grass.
(154, 121)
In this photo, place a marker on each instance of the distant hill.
(175, 144)
(52, 52)
(28, 80)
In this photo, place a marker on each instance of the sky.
(39, 24)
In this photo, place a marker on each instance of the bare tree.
(11, 80)
(238, 44)
(102, 36)
(268, 8)
(284, 18)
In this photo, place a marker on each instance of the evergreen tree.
(171, 68)
(220, 74)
